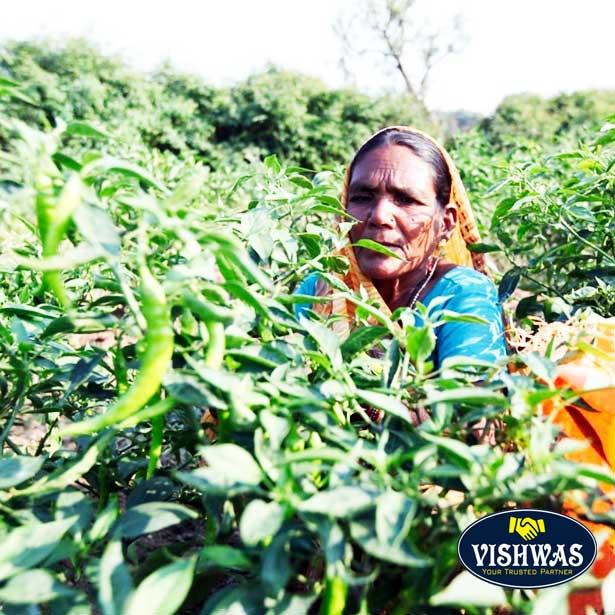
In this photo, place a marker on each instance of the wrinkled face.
(392, 193)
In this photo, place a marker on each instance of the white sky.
(541, 46)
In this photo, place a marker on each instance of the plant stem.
(155, 448)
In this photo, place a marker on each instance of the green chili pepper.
(120, 370)
(207, 311)
(216, 346)
(154, 363)
(334, 600)
(53, 220)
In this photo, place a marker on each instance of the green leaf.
(240, 290)
(98, 229)
(259, 521)
(231, 469)
(333, 541)
(483, 248)
(109, 164)
(331, 201)
(360, 339)
(206, 310)
(114, 581)
(451, 316)
(272, 163)
(73, 604)
(104, 520)
(8, 88)
(466, 589)
(420, 343)
(188, 390)
(16, 470)
(151, 517)
(497, 186)
(302, 182)
(245, 599)
(28, 313)
(33, 587)
(391, 364)
(81, 371)
(509, 283)
(64, 476)
(377, 247)
(371, 310)
(595, 472)
(62, 160)
(163, 591)
(276, 567)
(394, 515)
(276, 427)
(540, 366)
(224, 556)
(344, 501)
(26, 546)
(9, 83)
(71, 503)
(84, 129)
(606, 138)
(468, 395)
(459, 452)
(389, 404)
(327, 341)
(364, 534)
(328, 209)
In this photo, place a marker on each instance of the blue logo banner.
(527, 548)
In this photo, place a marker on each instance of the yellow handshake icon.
(526, 527)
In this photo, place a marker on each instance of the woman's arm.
(306, 287)
(475, 340)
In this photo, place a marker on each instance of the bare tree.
(400, 34)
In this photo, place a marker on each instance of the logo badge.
(527, 548)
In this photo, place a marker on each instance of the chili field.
(174, 440)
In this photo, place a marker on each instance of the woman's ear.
(449, 220)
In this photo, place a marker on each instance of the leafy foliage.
(527, 118)
(295, 116)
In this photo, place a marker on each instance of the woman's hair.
(423, 147)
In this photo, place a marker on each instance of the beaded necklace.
(426, 281)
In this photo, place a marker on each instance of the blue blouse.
(467, 292)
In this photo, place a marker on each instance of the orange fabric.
(455, 251)
(591, 369)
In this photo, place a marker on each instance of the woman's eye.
(405, 200)
(360, 198)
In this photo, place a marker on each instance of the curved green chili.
(53, 220)
(334, 599)
(120, 370)
(207, 311)
(216, 346)
(154, 362)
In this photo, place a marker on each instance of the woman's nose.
(381, 213)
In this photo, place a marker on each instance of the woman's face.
(392, 194)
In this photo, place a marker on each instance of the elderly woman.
(405, 194)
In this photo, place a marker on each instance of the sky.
(539, 46)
